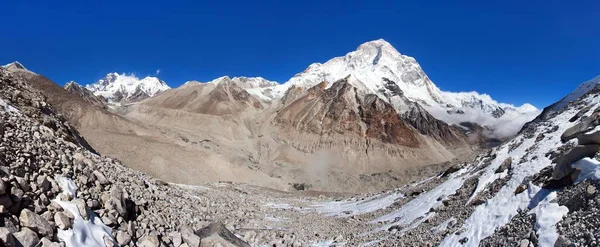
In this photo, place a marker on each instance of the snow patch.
(547, 215)
(590, 169)
(354, 206)
(7, 108)
(85, 233)
(419, 208)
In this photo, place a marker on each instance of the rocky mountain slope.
(85, 94)
(127, 88)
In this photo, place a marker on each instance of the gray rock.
(591, 138)
(150, 240)
(2, 187)
(115, 200)
(176, 238)
(590, 190)
(505, 165)
(81, 207)
(62, 220)
(26, 238)
(36, 223)
(123, 238)
(562, 242)
(217, 233)
(581, 127)
(188, 236)
(100, 177)
(47, 243)
(563, 164)
(6, 237)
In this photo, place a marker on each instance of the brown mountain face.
(224, 98)
(341, 109)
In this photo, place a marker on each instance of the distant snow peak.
(246, 82)
(127, 87)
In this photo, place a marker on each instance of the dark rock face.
(85, 94)
(138, 95)
(217, 233)
(428, 125)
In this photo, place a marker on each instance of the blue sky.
(517, 51)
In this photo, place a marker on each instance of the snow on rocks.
(420, 207)
(347, 208)
(589, 169)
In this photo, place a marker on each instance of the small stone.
(590, 190)
(36, 223)
(26, 238)
(81, 207)
(176, 238)
(62, 220)
(2, 187)
(188, 236)
(100, 177)
(524, 243)
(123, 238)
(47, 243)
(6, 237)
(150, 240)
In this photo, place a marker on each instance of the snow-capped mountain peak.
(246, 82)
(378, 68)
(127, 87)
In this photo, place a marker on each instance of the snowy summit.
(122, 87)
(376, 67)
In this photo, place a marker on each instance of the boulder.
(100, 177)
(26, 238)
(62, 221)
(216, 233)
(36, 223)
(189, 237)
(114, 200)
(47, 243)
(505, 165)
(6, 237)
(563, 164)
(123, 238)
(584, 125)
(176, 238)
(150, 240)
(591, 138)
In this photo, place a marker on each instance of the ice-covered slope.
(123, 87)
(376, 63)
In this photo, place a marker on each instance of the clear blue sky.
(517, 51)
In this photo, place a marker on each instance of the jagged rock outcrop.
(85, 94)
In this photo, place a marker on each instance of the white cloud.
(157, 71)
(508, 125)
